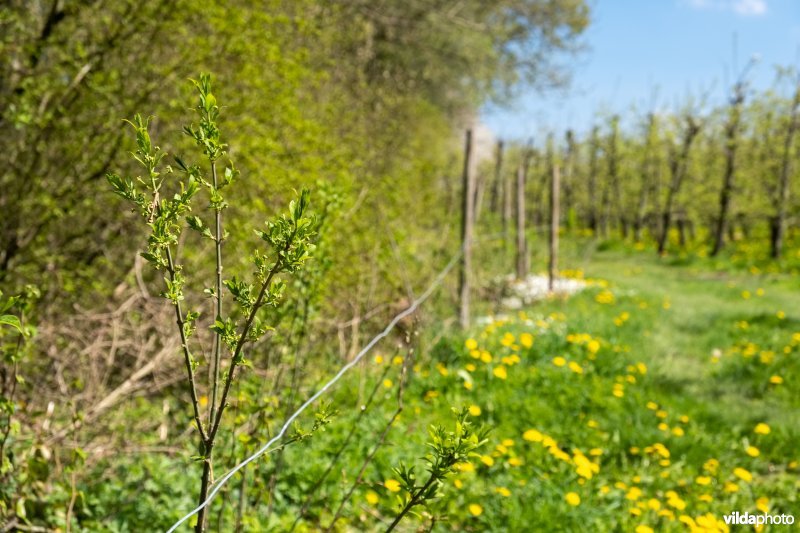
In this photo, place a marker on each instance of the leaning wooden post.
(467, 218)
(554, 224)
(522, 248)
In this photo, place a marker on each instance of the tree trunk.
(646, 179)
(679, 162)
(731, 144)
(522, 247)
(554, 224)
(568, 179)
(779, 222)
(592, 185)
(467, 217)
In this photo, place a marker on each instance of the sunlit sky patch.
(651, 54)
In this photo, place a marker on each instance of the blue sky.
(672, 47)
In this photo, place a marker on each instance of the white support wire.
(266, 448)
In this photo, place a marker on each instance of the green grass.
(679, 317)
(692, 353)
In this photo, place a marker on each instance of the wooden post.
(522, 248)
(480, 184)
(554, 224)
(497, 184)
(467, 218)
(507, 208)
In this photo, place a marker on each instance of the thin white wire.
(264, 449)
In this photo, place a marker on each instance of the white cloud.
(745, 8)
(750, 7)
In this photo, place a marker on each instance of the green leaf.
(11, 320)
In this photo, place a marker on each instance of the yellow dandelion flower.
(515, 461)
(392, 484)
(372, 498)
(653, 504)
(752, 451)
(703, 480)
(559, 361)
(502, 491)
(593, 346)
(572, 498)
(526, 339)
(762, 429)
(776, 380)
(652, 406)
(378, 359)
(487, 460)
(465, 467)
(471, 344)
(468, 385)
(762, 504)
(605, 297)
(677, 503)
(643, 529)
(387, 383)
(508, 442)
(633, 494)
(486, 357)
(711, 465)
(474, 410)
(781, 315)
(457, 483)
(706, 498)
(730, 487)
(475, 509)
(575, 367)
(678, 431)
(500, 372)
(742, 474)
(661, 413)
(533, 435)
(507, 340)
